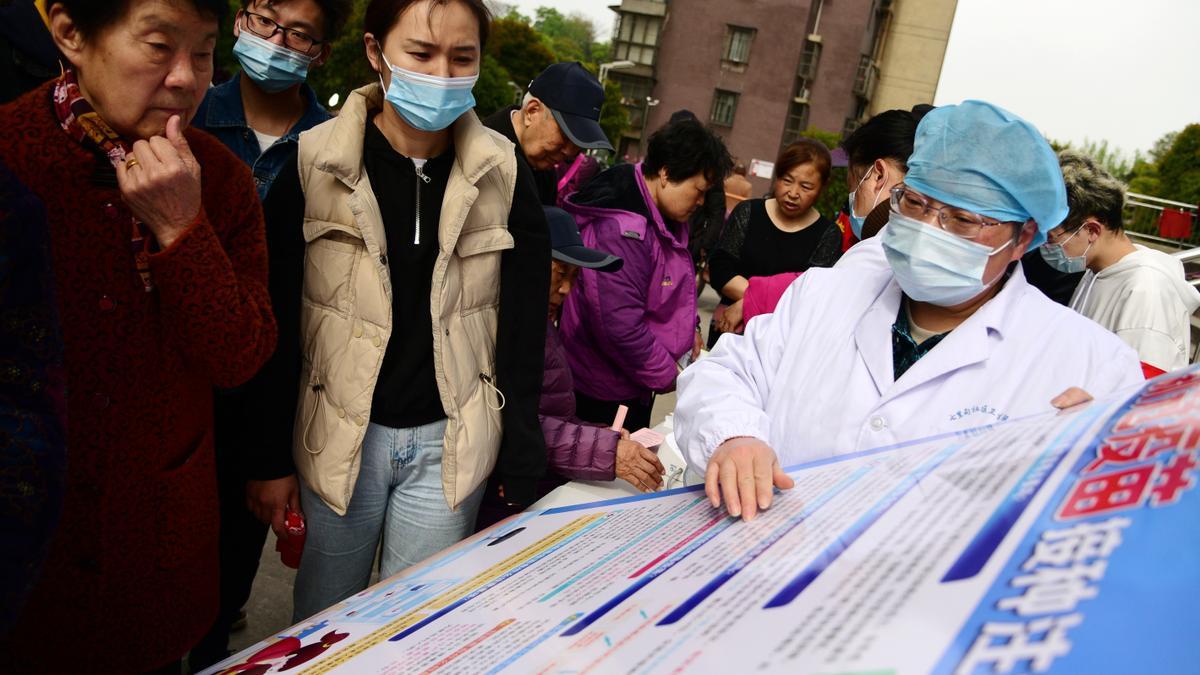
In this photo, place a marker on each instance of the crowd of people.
(226, 308)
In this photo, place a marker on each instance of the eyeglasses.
(959, 222)
(266, 29)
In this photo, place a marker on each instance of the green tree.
(519, 49)
(347, 68)
(833, 196)
(571, 38)
(614, 117)
(1179, 167)
(492, 91)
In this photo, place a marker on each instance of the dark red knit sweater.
(131, 581)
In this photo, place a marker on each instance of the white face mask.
(1056, 256)
(934, 266)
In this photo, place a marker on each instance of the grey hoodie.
(1144, 299)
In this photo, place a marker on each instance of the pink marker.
(619, 420)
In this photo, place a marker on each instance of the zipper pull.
(421, 174)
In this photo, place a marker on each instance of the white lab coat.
(814, 379)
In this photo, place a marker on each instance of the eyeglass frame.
(285, 30)
(898, 191)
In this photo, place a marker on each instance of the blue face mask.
(856, 221)
(272, 67)
(428, 102)
(1056, 256)
(934, 266)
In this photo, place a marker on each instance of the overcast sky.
(1123, 70)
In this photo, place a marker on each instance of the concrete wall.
(913, 52)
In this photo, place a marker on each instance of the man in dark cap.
(559, 117)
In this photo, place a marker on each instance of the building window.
(737, 44)
(637, 38)
(724, 107)
(796, 123)
(809, 59)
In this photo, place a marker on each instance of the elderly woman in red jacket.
(575, 449)
(160, 266)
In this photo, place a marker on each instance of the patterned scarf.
(82, 123)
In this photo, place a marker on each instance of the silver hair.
(1092, 192)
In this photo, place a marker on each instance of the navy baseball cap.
(574, 97)
(567, 246)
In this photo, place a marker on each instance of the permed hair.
(685, 148)
(1092, 192)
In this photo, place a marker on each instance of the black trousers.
(241, 542)
(602, 412)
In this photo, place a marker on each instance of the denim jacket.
(222, 115)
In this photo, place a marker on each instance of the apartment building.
(762, 71)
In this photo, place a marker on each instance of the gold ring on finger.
(131, 162)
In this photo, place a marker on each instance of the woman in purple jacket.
(625, 331)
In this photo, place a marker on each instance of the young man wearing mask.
(1136, 292)
(558, 118)
(259, 115)
(948, 336)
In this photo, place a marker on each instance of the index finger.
(164, 150)
(711, 485)
(277, 523)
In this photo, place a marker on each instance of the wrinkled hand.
(731, 320)
(742, 472)
(267, 500)
(639, 466)
(160, 181)
(1070, 398)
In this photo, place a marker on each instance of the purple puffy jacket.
(624, 330)
(575, 449)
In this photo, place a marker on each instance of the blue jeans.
(399, 494)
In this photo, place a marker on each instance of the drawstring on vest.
(317, 388)
(499, 394)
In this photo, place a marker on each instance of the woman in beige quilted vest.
(412, 232)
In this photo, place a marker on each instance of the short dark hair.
(381, 15)
(888, 135)
(685, 148)
(1092, 192)
(91, 17)
(804, 151)
(335, 13)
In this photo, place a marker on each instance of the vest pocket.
(330, 262)
(479, 253)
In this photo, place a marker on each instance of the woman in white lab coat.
(948, 336)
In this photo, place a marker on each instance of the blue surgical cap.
(982, 158)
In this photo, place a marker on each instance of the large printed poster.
(1061, 543)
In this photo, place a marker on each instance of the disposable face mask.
(856, 221)
(272, 67)
(934, 266)
(1056, 256)
(428, 102)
